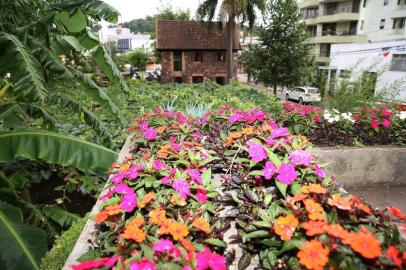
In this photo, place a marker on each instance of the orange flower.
(188, 245)
(396, 212)
(393, 255)
(113, 166)
(340, 202)
(146, 199)
(178, 230)
(201, 224)
(336, 230)
(156, 216)
(285, 226)
(178, 200)
(101, 217)
(160, 129)
(247, 131)
(146, 156)
(230, 138)
(136, 222)
(313, 255)
(110, 210)
(124, 167)
(266, 128)
(358, 204)
(134, 233)
(296, 198)
(314, 209)
(365, 243)
(313, 227)
(313, 188)
(164, 151)
(164, 226)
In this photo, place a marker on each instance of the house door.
(197, 79)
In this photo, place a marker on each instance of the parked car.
(304, 94)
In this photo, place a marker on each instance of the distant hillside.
(144, 26)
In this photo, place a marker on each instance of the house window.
(221, 56)
(198, 56)
(197, 79)
(398, 63)
(382, 25)
(325, 50)
(385, 2)
(220, 80)
(365, 3)
(362, 25)
(123, 44)
(353, 28)
(177, 61)
(401, 2)
(312, 30)
(399, 23)
(329, 29)
(178, 80)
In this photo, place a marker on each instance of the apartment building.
(351, 21)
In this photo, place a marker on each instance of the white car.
(304, 94)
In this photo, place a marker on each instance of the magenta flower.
(256, 151)
(319, 172)
(169, 115)
(374, 124)
(168, 178)
(118, 178)
(270, 142)
(122, 189)
(386, 123)
(210, 260)
(110, 192)
(195, 176)
(163, 246)
(279, 132)
(269, 170)
(129, 202)
(159, 165)
(145, 264)
(144, 126)
(258, 115)
(287, 173)
(150, 134)
(201, 196)
(174, 145)
(92, 264)
(236, 117)
(181, 118)
(181, 187)
(300, 157)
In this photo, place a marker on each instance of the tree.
(284, 58)
(229, 12)
(138, 59)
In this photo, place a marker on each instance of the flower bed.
(364, 126)
(162, 210)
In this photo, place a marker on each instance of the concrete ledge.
(365, 166)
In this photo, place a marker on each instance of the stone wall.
(209, 69)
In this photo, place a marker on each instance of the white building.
(124, 39)
(371, 57)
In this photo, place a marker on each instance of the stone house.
(191, 52)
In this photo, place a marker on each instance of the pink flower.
(122, 189)
(279, 132)
(145, 264)
(319, 172)
(195, 176)
(258, 115)
(91, 264)
(159, 165)
(256, 151)
(181, 118)
(374, 124)
(144, 126)
(182, 187)
(169, 115)
(270, 142)
(150, 134)
(129, 202)
(163, 246)
(118, 178)
(236, 117)
(300, 157)
(174, 145)
(287, 173)
(209, 260)
(269, 170)
(110, 192)
(201, 196)
(386, 123)
(168, 178)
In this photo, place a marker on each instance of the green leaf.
(88, 40)
(71, 23)
(282, 187)
(107, 65)
(291, 244)
(257, 234)
(55, 148)
(206, 177)
(244, 261)
(255, 172)
(295, 188)
(262, 224)
(216, 242)
(60, 216)
(22, 246)
(230, 152)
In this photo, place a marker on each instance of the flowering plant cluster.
(376, 125)
(163, 208)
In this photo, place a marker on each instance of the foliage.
(138, 59)
(144, 26)
(283, 58)
(167, 205)
(57, 256)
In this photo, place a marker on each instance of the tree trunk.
(275, 87)
(230, 41)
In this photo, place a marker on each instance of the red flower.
(393, 255)
(374, 124)
(386, 123)
(316, 119)
(396, 212)
(356, 117)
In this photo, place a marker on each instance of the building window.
(123, 44)
(177, 61)
(401, 2)
(329, 29)
(221, 56)
(312, 30)
(197, 79)
(398, 63)
(362, 25)
(385, 2)
(220, 80)
(178, 80)
(198, 56)
(365, 3)
(311, 13)
(382, 25)
(325, 50)
(353, 28)
(399, 23)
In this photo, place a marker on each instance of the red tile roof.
(193, 35)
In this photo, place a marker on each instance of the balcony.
(343, 38)
(339, 15)
(308, 3)
(322, 59)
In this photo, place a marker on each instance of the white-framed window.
(399, 23)
(382, 24)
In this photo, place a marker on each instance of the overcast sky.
(134, 9)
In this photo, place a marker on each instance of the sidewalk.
(242, 79)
